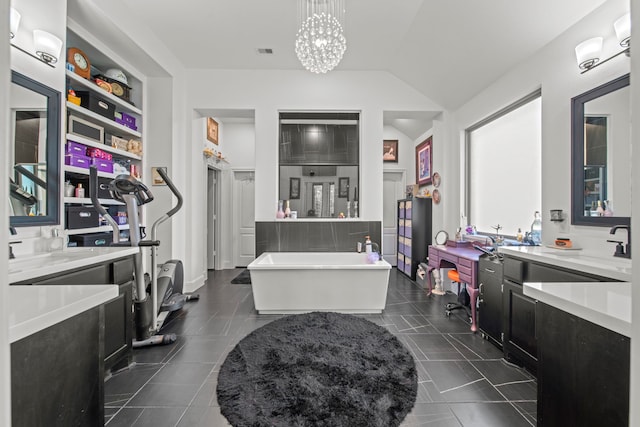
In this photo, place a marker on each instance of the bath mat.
(244, 278)
(318, 369)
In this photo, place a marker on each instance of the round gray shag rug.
(318, 369)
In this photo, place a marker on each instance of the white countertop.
(615, 268)
(34, 308)
(28, 267)
(607, 304)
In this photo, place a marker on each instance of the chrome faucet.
(624, 252)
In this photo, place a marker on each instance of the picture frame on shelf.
(156, 179)
(212, 130)
(390, 151)
(424, 161)
(294, 188)
(343, 187)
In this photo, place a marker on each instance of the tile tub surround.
(300, 282)
(321, 235)
(463, 380)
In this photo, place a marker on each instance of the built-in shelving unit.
(102, 59)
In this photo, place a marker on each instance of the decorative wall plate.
(436, 196)
(436, 179)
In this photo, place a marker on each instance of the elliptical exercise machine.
(157, 295)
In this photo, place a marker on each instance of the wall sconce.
(14, 22)
(588, 52)
(47, 45)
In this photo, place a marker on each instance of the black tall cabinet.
(414, 233)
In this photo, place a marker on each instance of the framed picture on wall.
(343, 187)
(212, 130)
(390, 150)
(294, 188)
(424, 161)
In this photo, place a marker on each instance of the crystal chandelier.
(320, 42)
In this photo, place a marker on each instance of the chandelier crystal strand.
(320, 42)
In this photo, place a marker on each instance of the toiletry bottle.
(367, 245)
(280, 212)
(519, 235)
(608, 211)
(600, 209)
(287, 211)
(79, 191)
(536, 228)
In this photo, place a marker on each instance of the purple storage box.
(73, 147)
(127, 118)
(125, 123)
(77, 160)
(102, 165)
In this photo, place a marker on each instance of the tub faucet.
(624, 252)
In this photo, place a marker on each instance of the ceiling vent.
(265, 51)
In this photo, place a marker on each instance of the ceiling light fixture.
(588, 52)
(320, 42)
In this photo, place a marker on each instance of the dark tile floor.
(463, 380)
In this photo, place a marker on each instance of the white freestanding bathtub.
(300, 282)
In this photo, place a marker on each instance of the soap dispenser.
(536, 228)
(368, 247)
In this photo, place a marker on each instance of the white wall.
(406, 153)
(634, 418)
(5, 359)
(267, 93)
(554, 69)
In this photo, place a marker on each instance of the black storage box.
(92, 239)
(103, 188)
(93, 102)
(82, 217)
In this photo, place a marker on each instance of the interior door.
(244, 218)
(393, 189)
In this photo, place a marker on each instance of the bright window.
(503, 155)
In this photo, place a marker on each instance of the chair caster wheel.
(447, 313)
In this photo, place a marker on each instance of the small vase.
(280, 212)
(287, 211)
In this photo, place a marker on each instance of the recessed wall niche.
(319, 163)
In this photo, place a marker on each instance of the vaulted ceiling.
(447, 49)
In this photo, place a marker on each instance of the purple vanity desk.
(464, 258)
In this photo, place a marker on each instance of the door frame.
(397, 196)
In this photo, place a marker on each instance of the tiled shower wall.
(314, 236)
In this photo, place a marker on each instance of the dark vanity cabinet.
(520, 339)
(490, 270)
(583, 371)
(118, 318)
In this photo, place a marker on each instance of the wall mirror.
(34, 153)
(319, 163)
(601, 155)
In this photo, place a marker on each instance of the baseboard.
(193, 285)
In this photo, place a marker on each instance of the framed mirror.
(601, 155)
(34, 153)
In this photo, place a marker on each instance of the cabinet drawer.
(122, 271)
(96, 275)
(464, 271)
(464, 277)
(514, 270)
(449, 257)
(465, 262)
